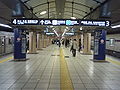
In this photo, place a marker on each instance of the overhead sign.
(95, 23)
(57, 22)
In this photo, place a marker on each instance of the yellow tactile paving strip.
(65, 81)
(4, 60)
(113, 61)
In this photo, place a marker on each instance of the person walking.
(71, 47)
(66, 43)
(74, 47)
(79, 45)
(59, 43)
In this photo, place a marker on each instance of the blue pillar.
(19, 44)
(99, 45)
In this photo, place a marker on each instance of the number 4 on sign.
(14, 21)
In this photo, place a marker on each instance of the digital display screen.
(58, 22)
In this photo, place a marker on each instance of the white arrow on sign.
(42, 22)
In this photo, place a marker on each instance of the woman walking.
(74, 47)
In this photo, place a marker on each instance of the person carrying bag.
(74, 47)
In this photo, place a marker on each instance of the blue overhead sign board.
(94, 23)
(57, 22)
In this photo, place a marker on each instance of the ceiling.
(62, 8)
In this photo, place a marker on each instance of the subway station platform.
(55, 68)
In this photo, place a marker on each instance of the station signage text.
(58, 22)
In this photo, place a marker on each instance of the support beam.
(39, 43)
(87, 43)
(32, 43)
(42, 41)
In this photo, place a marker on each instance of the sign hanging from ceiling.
(58, 22)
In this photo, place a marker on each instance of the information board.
(99, 45)
(58, 22)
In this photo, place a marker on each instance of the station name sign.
(58, 22)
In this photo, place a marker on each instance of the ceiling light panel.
(43, 12)
(73, 17)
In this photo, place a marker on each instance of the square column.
(50, 40)
(87, 43)
(39, 38)
(47, 39)
(32, 43)
(81, 42)
(42, 41)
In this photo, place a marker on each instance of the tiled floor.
(42, 72)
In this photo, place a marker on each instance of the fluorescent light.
(81, 28)
(4, 25)
(50, 33)
(64, 32)
(60, 13)
(51, 26)
(43, 12)
(73, 17)
(56, 33)
(69, 33)
(116, 26)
